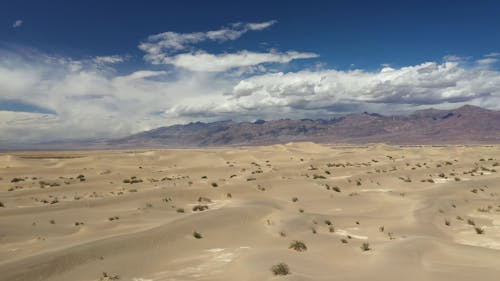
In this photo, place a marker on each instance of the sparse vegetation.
(197, 235)
(365, 246)
(16, 180)
(132, 180)
(109, 277)
(200, 208)
(298, 246)
(479, 230)
(280, 269)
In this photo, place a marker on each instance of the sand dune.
(426, 213)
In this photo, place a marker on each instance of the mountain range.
(465, 125)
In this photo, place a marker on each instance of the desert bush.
(214, 184)
(200, 208)
(197, 235)
(479, 230)
(336, 188)
(391, 235)
(52, 222)
(407, 179)
(328, 222)
(365, 246)
(107, 277)
(16, 180)
(298, 246)
(447, 222)
(2, 205)
(295, 199)
(471, 222)
(280, 269)
(343, 240)
(318, 177)
(132, 180)
(180, 210)
(331, 229)
(204, 199)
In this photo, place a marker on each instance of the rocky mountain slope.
(464, 125)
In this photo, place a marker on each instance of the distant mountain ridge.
(465, 125)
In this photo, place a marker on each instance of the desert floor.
(363, 213)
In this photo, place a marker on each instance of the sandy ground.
(426, 213)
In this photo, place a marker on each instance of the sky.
(106, 69)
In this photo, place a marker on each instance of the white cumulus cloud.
(202, 61)
(177, 49)
(17, 23)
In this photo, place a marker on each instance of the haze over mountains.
(464, 125)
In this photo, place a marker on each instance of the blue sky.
(364, 33)
(111, 68)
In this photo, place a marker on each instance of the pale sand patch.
(340, 177)
(211, 262)
(473, 239)
(441, 180)
(376, 190)
(343, 232)
(214, 205)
